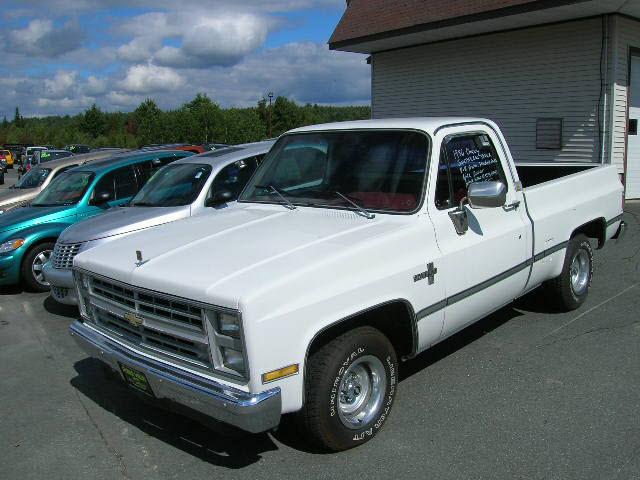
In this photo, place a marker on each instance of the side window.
(105, 184)
(234, 177)
(124, 183)
(465, 159)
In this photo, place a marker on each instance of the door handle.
(511, 206)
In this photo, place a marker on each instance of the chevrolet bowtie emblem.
(133, 319)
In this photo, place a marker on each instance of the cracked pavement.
(526, 393)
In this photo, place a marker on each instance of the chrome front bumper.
(63, 288)
(250, 412)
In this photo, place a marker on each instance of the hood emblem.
(139, 261)
(133, 319)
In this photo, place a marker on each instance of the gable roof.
(369, 25)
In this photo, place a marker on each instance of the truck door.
(485, 267)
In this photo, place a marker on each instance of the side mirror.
(100, 198)
(487, 194)
(218, 198)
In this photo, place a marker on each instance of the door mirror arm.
(459, 218)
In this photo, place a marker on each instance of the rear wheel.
(350, 389)
(571, 287)
(32, 267)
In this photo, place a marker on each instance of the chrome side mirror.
(487, 194)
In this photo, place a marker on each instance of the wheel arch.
(403, 334)
(596, 229)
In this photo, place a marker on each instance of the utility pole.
(270, 95)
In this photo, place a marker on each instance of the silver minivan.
(191, 186)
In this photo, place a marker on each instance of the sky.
(59, 57)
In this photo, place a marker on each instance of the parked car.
(31, 184)
(6, 157)
(2, 176)
(355, 245)
(48, 155)
(28, 234)
(187, 187)
(77, 148)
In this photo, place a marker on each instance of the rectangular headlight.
(228, 325)
(233, 360)
(82, 289)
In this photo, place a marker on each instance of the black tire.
(321, 417)
(566, 296)
(28, 277)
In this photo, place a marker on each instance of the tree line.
(199, 121)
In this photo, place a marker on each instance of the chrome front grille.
(63, 255)
(151, 321)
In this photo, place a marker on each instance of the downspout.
(604, 88)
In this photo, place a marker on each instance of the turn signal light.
(280, 373)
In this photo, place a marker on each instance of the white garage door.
(633, 153)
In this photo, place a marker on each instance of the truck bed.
(535, 173)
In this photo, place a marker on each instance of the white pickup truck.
(354, 246)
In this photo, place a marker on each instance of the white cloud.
(41, 38)
(145, 79)
(216, 41)
(95, 86)
(60, 86)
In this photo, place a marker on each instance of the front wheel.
(571, 288)
(34, 260)
(350, 389)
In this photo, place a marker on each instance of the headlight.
(233, 360)
(228, 325)
(11, 245)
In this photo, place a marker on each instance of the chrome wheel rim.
(362, 391)
(37, 267)
(579, 272)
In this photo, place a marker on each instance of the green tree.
(207, 116)
(93, 121)
(5, 123)
(285, 115)
(17, 119)
(147, 119)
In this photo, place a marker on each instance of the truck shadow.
(211, 442)
(55, 308)
(460, 340)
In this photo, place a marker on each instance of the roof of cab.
(228, 155)
(128, 158)
(426, 124)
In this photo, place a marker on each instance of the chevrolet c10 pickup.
(354, 247)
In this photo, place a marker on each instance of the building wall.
(626, 35)
(511, 77)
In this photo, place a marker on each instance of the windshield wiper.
(279, 192)
(142, 204)
(365, 213)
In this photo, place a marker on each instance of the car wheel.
(34, 260)
(349, 390)
(571, 287)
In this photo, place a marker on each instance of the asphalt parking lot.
(525, 393)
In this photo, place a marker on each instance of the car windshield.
(375, 170)
(34, 178)
(47, 156)
(172, 186)
(67, 189)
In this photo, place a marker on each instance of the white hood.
(237, 253)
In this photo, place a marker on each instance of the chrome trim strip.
(425, 312)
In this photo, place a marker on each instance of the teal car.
(28, 234)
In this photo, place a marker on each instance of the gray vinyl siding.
(511, 77)
(627, 34)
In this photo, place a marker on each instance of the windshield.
(34, 178)
(375, 169)
(67, 189)
(172, 186)
(46, 155)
